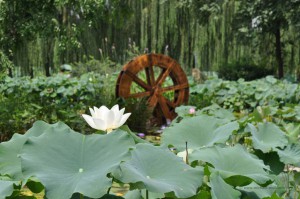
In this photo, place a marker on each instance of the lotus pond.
(244, 143)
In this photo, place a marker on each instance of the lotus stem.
(187, 153)
(288, 181)
(110, 187)
(147, 194)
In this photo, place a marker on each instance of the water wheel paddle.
(158, 78)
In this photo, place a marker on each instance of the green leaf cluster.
(247, 95)
(65, 163)
(57, 98)
(212, 153)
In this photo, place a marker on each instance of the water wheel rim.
(152, 86)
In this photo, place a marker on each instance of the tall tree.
(268, 17)
(203, 11)
(22, 21)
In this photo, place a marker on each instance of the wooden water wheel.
(157, 77)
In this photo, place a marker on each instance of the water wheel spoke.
(164, 107)
(170, 104)
(152, 101)
(139, 95)
(160, 76)
(164, 75)
(138, 80)
(150, 75)
(175, 87)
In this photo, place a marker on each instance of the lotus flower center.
(109, 130)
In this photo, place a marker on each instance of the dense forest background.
(38, 36)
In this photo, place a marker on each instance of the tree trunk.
(47, 67)
(10, 73)
(48, 53)
(279, 51)
(157, 26)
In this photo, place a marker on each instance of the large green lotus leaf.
(106, 196)
(267, 137)
(134, 194)
(220, 189)
(198, 131)
(233, 161)
(255, 191)
(293, 131)
(290, 155)
(10, 163)
(140, 194)
(134, 136)
(6, 188)
(219, 112)
(40, 127)
(67, 162)
(160, 171)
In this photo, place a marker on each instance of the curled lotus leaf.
(198, 131)
(158, 170)
(267, 136)
(233, 161)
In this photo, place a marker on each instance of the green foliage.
(5, 65)
(245, 154)
(28, 18)
(260, 18)
(267, 14)
(6, 188)
(244, 69)
(25, 100)
(243, 96)
(267, 137)
(141, 113)
(220, 189)
(65, 173)
(35, 186)
(40, 36)
(255, 191)
(290, 154)
(203, 9)
(148, 167)
(105, 66)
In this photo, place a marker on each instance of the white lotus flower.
(106, 120)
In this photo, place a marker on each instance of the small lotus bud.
(141, 135)
(192, 111)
